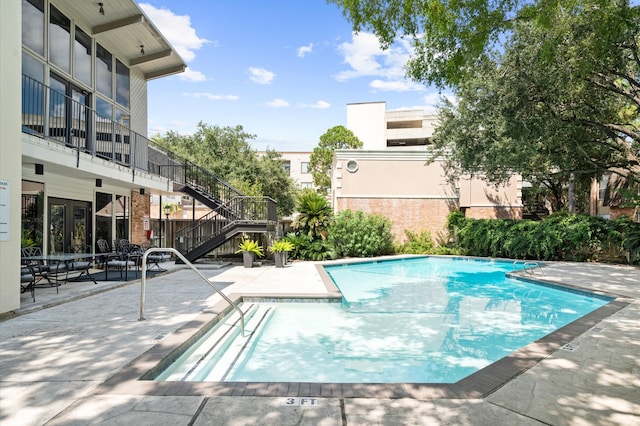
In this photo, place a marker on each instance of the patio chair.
(40, 270)
(156, 258)
(81, 265)
(121, 261)
(28, 281)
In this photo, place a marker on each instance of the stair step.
(192, 359)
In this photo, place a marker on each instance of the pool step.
(218, 361)
(191, 359)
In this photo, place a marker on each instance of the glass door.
(69, 113)
(69, 226)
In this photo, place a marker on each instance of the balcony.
(63, 120)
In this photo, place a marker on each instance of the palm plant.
(314, 215)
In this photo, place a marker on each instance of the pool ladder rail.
(143, 282)
(529, 267)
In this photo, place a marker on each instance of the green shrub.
(417, 243)
(359, 234)
(559, 237)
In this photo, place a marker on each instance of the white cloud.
(365, 58)
(177, 29)
(278, 103)
(396, 85)
(211, 96)
(191, 75)
(303, 50)
(318, 105)
(261, 75)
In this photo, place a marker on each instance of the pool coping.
(130, 380)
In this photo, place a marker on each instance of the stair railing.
(143, 282)
(244, 209)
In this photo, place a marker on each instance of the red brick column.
(140, 209)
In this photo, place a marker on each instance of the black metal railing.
(60, 118)
(239, 210)
(199, 179)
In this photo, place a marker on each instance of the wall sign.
(4, 210)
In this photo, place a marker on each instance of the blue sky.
(285, 70)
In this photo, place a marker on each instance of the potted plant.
(249, 249)
(280, 249)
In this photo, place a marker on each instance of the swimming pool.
(416, 320)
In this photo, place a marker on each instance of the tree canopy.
(546, 88)
(550, 107)
(450, 38)
(227, 153)
(337, 137)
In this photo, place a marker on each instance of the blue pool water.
(416, 320)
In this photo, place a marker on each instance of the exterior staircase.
(232, 212)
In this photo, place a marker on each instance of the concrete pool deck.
(59, 355)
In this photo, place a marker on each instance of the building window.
(604, 183)
(59, 39)
(305, 185)
(82, 57)
(408, 142)
(33, 25)
(32, 212)
(32, 94)
(304, 167)
(122, 84)
(104, 69)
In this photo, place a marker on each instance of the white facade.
(73, 123)
(296, 163)
(379, 129)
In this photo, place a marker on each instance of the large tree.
(543, 85)
(338, 137)
(227, 153)
(549, 107)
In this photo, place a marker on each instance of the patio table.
(65, 263)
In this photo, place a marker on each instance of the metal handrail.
(529, 267)
(184, 259)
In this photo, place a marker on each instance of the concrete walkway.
(56, 353)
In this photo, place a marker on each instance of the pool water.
(416, 320)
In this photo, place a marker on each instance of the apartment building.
(75, 164)
(393, 174)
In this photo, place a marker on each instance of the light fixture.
(98, 183)
(141, 191)
(167, 210)
(101, 10)
(39, 169)
(142, 49)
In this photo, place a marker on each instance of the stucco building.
(396, 175)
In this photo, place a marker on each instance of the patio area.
(57, 353)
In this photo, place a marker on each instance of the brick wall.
(496, 212)
(405, 213)
(140, 207)
(616, 212)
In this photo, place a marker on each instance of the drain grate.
(569, 347)
(160, 336)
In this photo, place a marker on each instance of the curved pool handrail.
(186, 262)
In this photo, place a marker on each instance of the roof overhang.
(127, 31)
